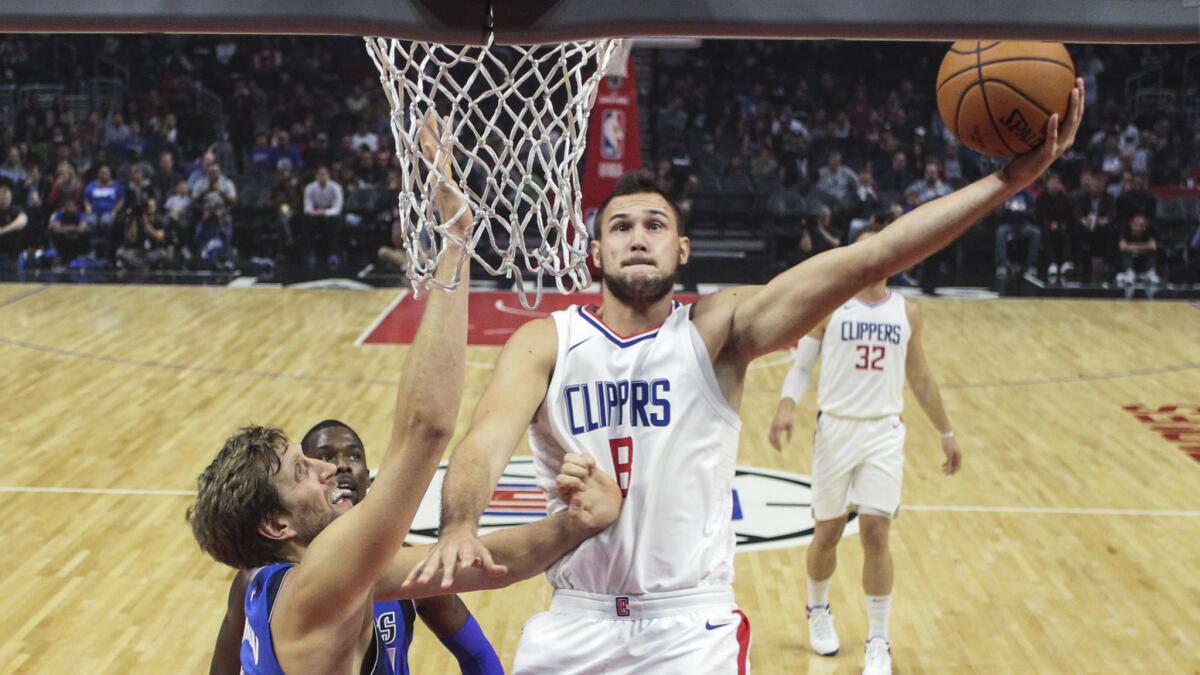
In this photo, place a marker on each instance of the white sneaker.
(1152, 278)
(1052, 270)
(1067, 268)
(821, 634)
(878, 658)
(1125, 278)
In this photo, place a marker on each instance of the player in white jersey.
(867, 347)
(650, 389)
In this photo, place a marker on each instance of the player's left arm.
(227, 655)
(925, 388)
(763, 319)
(450, 620)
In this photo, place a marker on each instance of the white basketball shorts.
(857, 463)
(697, 631)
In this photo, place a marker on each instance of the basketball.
(996, 96)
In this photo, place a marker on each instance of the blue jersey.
(388, 654)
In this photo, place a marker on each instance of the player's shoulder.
(722, 303)
(537, 339)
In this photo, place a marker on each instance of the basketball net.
(517, 127)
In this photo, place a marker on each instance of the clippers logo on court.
(771, 509)
(612, 134)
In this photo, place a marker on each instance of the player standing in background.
(446, 616)
(867, 348)
(651, 389)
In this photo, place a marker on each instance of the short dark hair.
(235, 494)
(636, 182)
(310, 436)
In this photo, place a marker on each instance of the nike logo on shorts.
(708, 625)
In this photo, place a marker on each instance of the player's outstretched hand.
(449, 199)
(454, 550)
(780, 426)
(953, 456)
(592, 496)
(1025, 169)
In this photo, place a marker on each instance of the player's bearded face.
(310, 520)
(640, 248)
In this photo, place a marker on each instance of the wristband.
(948, 435)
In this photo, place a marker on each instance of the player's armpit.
(226, 659)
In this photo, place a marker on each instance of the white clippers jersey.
(648, 408)
(863, 359)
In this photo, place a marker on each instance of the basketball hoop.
(517, 126)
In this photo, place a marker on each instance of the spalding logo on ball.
(996, 96)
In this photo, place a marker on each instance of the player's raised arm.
(815, 287)
(925, 388)
(344, 562)
(594, 502)
(501, 417)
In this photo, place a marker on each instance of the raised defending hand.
(592, 496)
(448, 196)
(1025, 169)
(454, 550)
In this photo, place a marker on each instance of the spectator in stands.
(179, 204)
(1139, 250)
(959, 165)
(12, 226)
(764, 168)
(215, 183)
(144, 240)
(262, 155)
(285, 200)
(12, 172)
(864, 204)
(213, 239)
(69, 233)
(166, 177)
(322, 224)
(836, 179)
(133, 143)
(1094, 211)
(1016, 222)
(897, 177)
(286, 149)
(931, 186)
(1134, 198)
(116, 131)
(1053, 213)
(103, 198)
(364, 137)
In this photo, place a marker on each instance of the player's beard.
(641, 290)
(311, 522)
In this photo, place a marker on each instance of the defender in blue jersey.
(261, 503)
(446, 616)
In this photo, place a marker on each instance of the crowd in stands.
(821, 138)
(826, 137)
(151, 184)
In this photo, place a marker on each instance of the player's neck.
(875, 292)
(631, 318)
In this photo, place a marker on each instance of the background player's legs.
(822, 561)
(877, 584)
(822, 556)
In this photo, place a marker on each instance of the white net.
(517, 127)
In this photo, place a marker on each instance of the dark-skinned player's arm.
(748, 320)
(227, 655)
(343, 563)
(448, 618)
(593, 503)
(501, 417)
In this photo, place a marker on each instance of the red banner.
(613, 145)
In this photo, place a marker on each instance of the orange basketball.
(996, 96)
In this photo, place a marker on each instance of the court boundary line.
(362, 337)
(21, 296)
(935, 508)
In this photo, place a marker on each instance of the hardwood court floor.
(133, 388)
